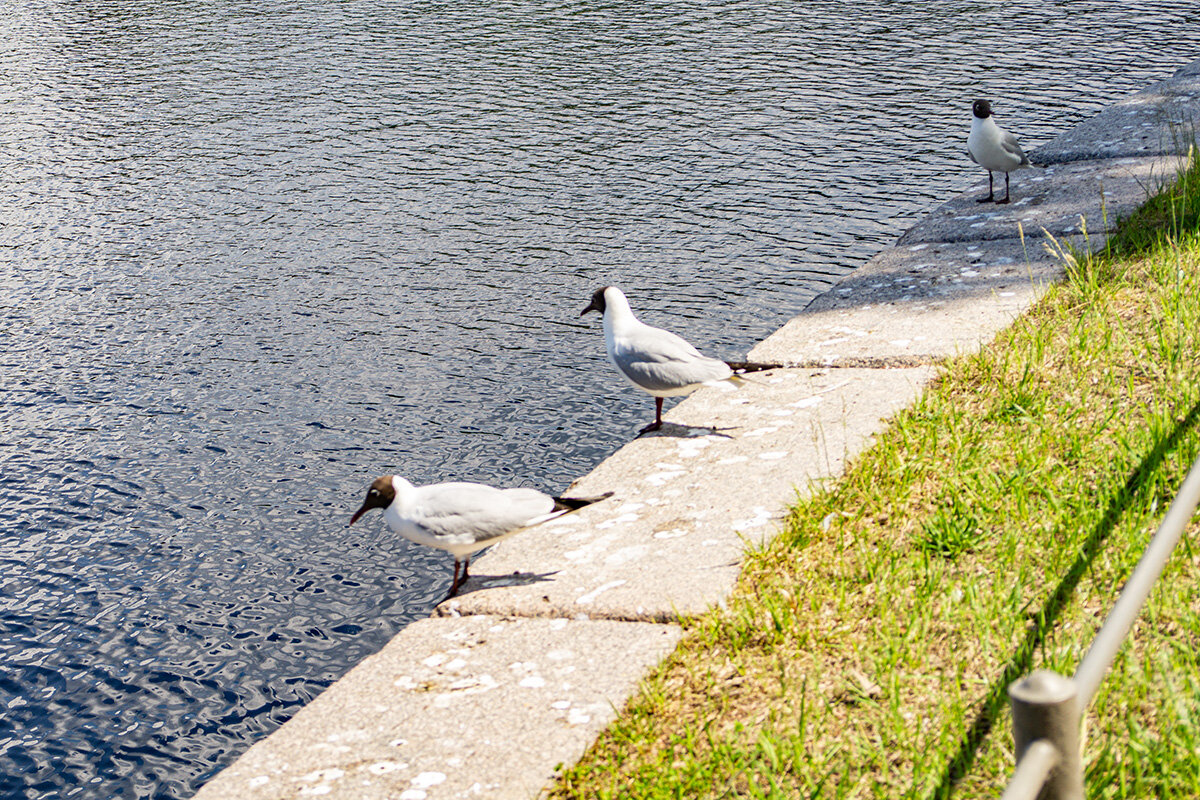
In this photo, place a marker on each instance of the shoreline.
(500, 688)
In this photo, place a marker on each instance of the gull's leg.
(653, 426)
(1005, 200)
(990, 196)
(455, 582)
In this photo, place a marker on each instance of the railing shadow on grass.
(1022, 660)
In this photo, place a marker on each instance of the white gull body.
(461, 518)
(992, 147)
(652, 359)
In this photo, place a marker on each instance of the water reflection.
(255, 254)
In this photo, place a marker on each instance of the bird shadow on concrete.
(478, 583)
(672, 430)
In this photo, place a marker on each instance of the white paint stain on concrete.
(592, 595)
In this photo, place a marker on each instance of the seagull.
(461, 518)
(656, 361)
(993, 148)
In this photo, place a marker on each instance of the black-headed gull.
(656, 361)
(993, 148)
(461, 518)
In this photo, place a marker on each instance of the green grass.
(867, 650)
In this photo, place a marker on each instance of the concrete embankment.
(519, 674)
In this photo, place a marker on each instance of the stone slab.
(1187, 71)
(689, 499)
(1058, 199)
(918, 303)
(1159, 120)
(470, 707)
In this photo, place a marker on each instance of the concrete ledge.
(1187, 71)
(689, 499)
(1156, 121)
(917, 304)
(469, 707)
(1053, 199)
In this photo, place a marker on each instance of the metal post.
(1045, 707)
(1032, 770)
(1108, 641)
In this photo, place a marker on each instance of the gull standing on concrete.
(993, 148)
(656, 361)
(461, 518)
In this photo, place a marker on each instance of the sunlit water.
(255, 254)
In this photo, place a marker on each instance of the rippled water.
(254, 254)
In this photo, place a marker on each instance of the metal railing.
(1047, 708)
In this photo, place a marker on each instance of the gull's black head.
(597, 303)
(981, 109)
(380, 495)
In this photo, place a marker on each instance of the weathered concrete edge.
(338, 701)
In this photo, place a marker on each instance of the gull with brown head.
(462, 518)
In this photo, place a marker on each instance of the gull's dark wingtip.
(576, 503)
(741, 367)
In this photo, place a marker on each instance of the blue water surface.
(253, 254)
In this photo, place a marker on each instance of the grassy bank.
(867, 650)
